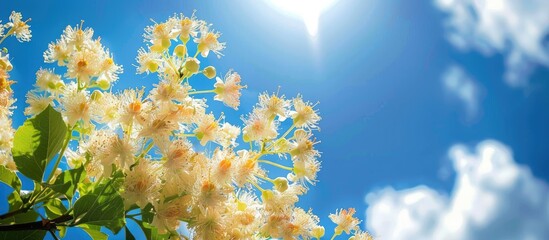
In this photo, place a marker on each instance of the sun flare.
(308, 10)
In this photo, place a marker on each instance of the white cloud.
(515, 28)
(458, 83)
(493, 198)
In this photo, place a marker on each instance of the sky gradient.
(376, 68)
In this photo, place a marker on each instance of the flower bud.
(180, 50)
(59, 85)
(192, 65)
(96, 95)
(166, 43)
(52, 85)
(184, 38)
(103, 84)
(241, 206)
(318, 232)
(280, 184)
(267, 195)
(152, 66)
(209, 72)
(156, 48)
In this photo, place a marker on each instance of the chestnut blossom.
(173, 157)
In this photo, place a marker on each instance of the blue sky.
(376, 67)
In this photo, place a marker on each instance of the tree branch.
(38, 225)
(15, 212)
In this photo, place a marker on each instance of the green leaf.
(62, 231)
(147, 213)
(15, 203)
(101, 210)
(94, 232)
(37, 142)
(54, 208)
(10, 178)
(67, 181)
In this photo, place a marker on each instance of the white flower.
(188, 27)
(167, 214)
(227, 135)
(49, 81)
(19, 27)
(160, 34)
(83, 65)
(167, 91)
(207, 129)
(246, 168)
(274, 105)
(133, 107)
(361, 235)
(302, 148)
(148, 61)
(228, 90)
(304, 115)
(105, 108)
(76, 105)
(208, 41)
(142, 184)
(177, 154)
(259, 127)
(345, 221)
(37, 103)
(222, 168)
(305, 170)
(76, 37)
(57, 52)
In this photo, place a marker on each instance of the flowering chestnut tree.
(140, 156)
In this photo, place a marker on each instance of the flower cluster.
(179, 162)
(20, 29)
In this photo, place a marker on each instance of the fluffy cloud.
(515, 28)
(459, 84)
(493, 198)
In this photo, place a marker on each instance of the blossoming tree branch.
(99, 159)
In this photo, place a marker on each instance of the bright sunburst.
(308, 10)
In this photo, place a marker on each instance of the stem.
(188, 135)
(257, 186)
(334, 236)
(265, 178)
(65, 145)
(53, 234)
(133, 215)
(13, 213)
(9, 33)
(270, 147)
(25, 207)
(203, 91)
(276, 165)
(5, 36)
(288, 131)
(149, 146)
(169, 60)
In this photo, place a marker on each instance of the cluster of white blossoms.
(180, 160)
(21, 30)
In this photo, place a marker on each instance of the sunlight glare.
(308, 10)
